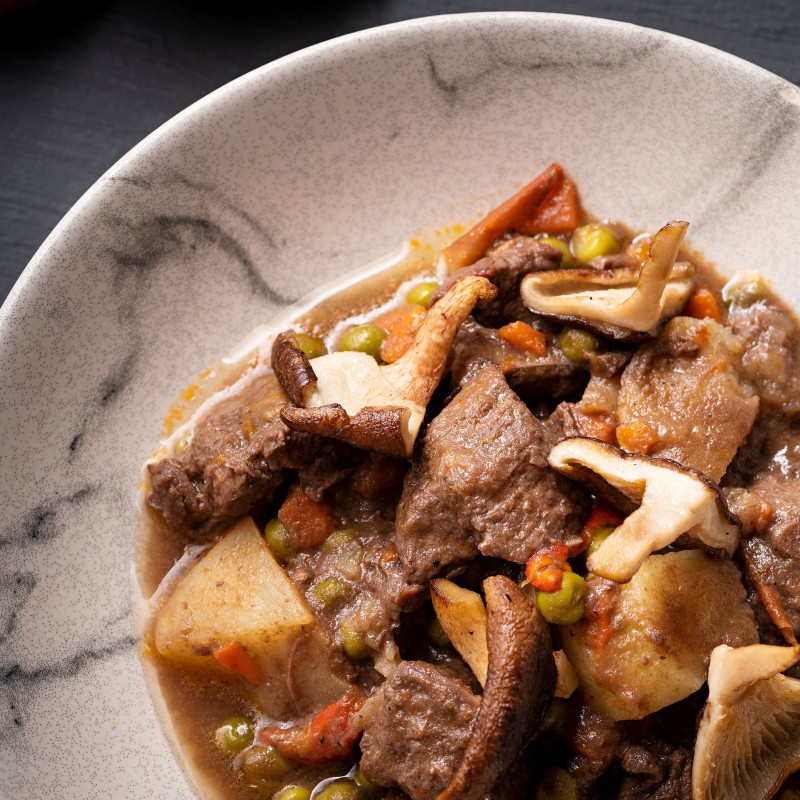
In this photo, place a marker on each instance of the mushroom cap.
(666, 501)
(749, 738)
(518, 691)
(626, 303)
(370, 406)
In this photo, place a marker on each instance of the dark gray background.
(82, 82)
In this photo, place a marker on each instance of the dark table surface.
(82, 81)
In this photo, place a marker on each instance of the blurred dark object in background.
(13, 5)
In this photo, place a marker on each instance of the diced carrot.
(602, 516)
(309, 522)
(636, 437)
(510, 214)
(522, 335)
(330, 736)
(545, 568)
(401, 325)
(601, 607)
(559, 213)
(703, 305)
(598, 426)
(234, 657)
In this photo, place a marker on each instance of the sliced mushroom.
(626, 303)
(749, 738)
(519, 688)
(666, 501)
(385, 405)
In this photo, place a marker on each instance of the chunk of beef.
(552, 376)
(660, 772)
(594, 744)
(771, 358)
(682, 397)
(237, 459)
(505, 267)
(480, 482)
(768, 466)
(416, 738)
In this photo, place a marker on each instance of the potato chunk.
(682, 397)
(645, 644)
(236, 593)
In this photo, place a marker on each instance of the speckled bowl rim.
(94, 194)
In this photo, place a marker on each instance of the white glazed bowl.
(287, 177)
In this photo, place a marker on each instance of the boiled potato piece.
(462, 614)
(237, 592)
(645, 644)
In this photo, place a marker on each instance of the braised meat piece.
(771, 358)
(417, 736)
(552, 376)
(682, 397)
(237, 459)
(505, 267)
(480, 483)
(768, 466)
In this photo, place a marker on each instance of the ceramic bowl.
(292, 175)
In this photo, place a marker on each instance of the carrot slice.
(522, 335)
(401, 325)
(330, 736)
(545, 568)
(636, 437)
(234, 657)
(511, 214)
(309, 521)
(559, 213)
(703, 305)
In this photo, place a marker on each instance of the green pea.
(330, 591)
(593, 240)
(435, 632)
(559, 244)
(264, 767)
(340, 538)
(577, 344)
(363, 781)
(568, 604)
(364, 339)
(278, 539)
(355, 647)
(312, 346)
(234, 735)
(420, 295)
(557, 716)
(556, 784)
(599, 537)
(343, 789)
(293, 793)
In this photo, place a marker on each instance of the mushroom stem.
(418, 372)
(519, 688)
(645, 302)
